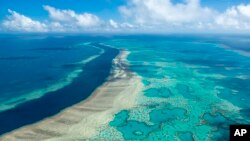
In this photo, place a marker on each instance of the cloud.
(155, 12)
(59, 21)
(19, 22)
(244, 10)
(138, 16)
(113, 24)
(127, 25)
(71, 18)
(236, 17)
(188, 15)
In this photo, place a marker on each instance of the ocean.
(194, 86)
(43, 75)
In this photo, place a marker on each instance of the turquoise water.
(194, 88)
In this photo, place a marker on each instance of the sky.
(125, 16)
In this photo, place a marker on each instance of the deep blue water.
(30, 63)
(54, 58)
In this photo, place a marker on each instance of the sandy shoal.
(82, 120)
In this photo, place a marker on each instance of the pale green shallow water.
(192, 91)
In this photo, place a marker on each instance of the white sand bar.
(82, 120)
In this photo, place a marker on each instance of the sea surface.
(195, 86)
(42, 75)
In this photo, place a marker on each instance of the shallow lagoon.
(193, 90)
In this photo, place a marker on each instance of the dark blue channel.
(94, 74)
